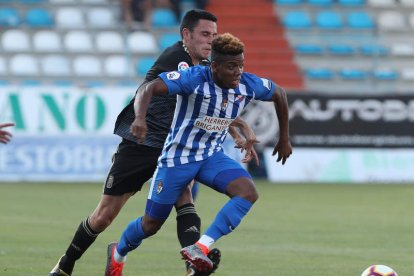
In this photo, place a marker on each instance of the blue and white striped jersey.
(204, 111)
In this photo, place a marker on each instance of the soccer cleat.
(196, 258)
(113, 268)
(215, 256)
(57, 271)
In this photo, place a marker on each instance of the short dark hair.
(226, 44)
(191, 18)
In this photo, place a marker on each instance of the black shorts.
(132, 166)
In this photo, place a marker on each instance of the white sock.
(118, 258)
(206, 241)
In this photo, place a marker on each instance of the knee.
(151, 226)
(251, 195)
(243, 188)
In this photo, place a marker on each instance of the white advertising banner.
(361, 165)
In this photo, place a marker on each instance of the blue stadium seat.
(320, 2)
(9, 17)
(63, 83)
(5, 2)
(373, 50)
(39, 18)
(308, 49)
(385, 74)
(353, 74)
(341, 49)
(319, 74)
(297, 20)
(163, 18)
(288, 2)
(128, 83)
(32, 1)
(4, 82)
(329, 20)
(360, 20)
(168, 39)
(351, 2)
(93, 84)
(31, 83)
(143, 65)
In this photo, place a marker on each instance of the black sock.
(83, 238)
(188, 225)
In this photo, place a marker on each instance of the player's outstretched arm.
(283, 147)
(5, 136)
(244, 143)
(142, 100)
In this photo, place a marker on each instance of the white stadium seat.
(87, 66)
(47, 41)
(24, 65)
(142, 42)
(78, 41)
(101, 18)
(407, 74)
(402, 49)
(117, 66)
(3, 66)
(15, 41)
(391, 20)
(55, 65)
(381, 3)
(69, 18)
(110, 42)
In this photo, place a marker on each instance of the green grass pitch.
(293, 230)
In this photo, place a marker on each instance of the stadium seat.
(385, 74)
(39, 18)
(288, 2)
(142, 42)
(348, 3)
(391, 20)
(128, 83)
(93, 84)
(55, 65)
(320, 2)
(78, 41)
(308, 49)
(101, 18)
(341, 49)
(411, 20)
(373, 50)
(407, 74)
(360, 20)
(168, 39)
(4, 83)
(63, 83)
(3, 66)
(329, 20)
(297, 20)
(382, 3)
(110, 42)
(69, 18)
(47, 41)
(9, 17)
(402, 49)
(319, 73)
(62, 2)
(87, 66)
(116, 66)
(163, 18)
(32, 1)
(353, 74)
(15, 40)
(23, 65)
(30, 83)
(143, 65)
(104, 2)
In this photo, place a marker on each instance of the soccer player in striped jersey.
(209, 99)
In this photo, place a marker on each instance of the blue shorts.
(216, 172)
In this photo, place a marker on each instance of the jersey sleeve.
(181, 82)
(263, 88)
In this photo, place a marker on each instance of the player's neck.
(194, 60)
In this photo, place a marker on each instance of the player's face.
(199, 40)
(227, 73)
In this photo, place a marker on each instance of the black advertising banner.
(351, 121)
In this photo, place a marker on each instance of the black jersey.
(161, 109)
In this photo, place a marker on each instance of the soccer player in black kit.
(134, 164)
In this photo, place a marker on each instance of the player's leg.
(166, 186)
(132, 166)
(226, 176)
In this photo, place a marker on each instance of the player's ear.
(186, 34)
(214, 66)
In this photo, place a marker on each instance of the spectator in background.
(5, 136)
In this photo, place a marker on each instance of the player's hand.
(284, 149)
(139, 129)
(250, 155)
(5, 136)
(248, 146)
